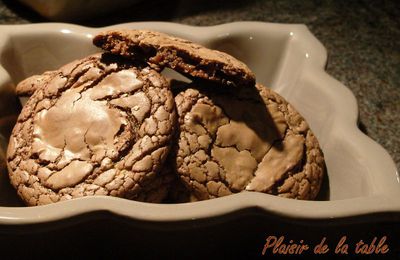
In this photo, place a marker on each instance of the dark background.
(363, 43)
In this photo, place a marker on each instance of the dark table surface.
(363, 42)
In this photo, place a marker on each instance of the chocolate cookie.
(245, 140)
(186, 57)
(99, 126)
(29, 85)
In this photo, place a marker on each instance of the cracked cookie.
(29, 85)
(183, 56)
(249, 139)
(101, 125)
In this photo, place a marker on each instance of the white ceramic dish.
(362, 177)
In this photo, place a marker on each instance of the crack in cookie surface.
(99, 126)
(250, 139)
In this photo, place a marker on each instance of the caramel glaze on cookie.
(186, 57)
(99, 126)
(245, 140)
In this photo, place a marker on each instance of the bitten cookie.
(184, 56)
(245, 140)
(100, 126)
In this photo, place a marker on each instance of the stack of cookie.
(111, 124)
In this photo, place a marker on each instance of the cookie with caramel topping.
(245, 140)
(102, 125)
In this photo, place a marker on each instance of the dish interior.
(276, 58)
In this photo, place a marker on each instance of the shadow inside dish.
(9, 110)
